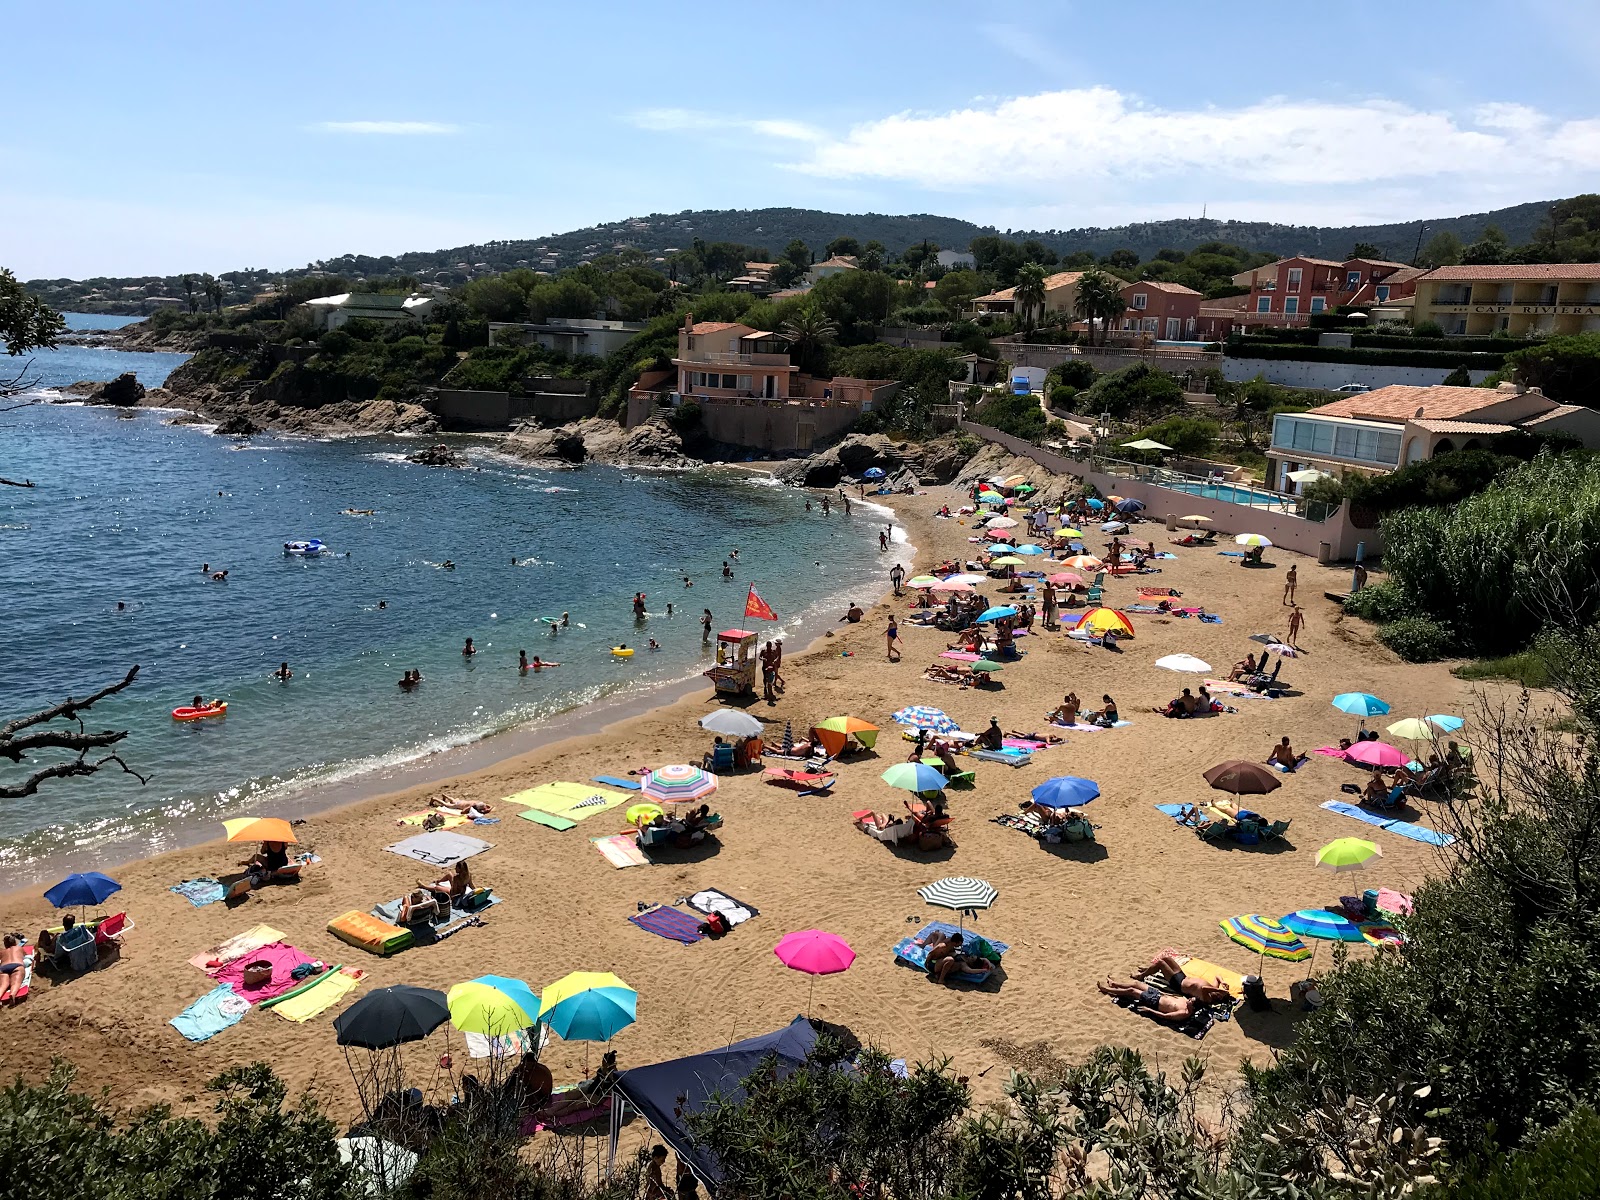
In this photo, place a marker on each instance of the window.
(1361, 443)
(1140, 300)
(1264, 304)
(691, 341)
(1291, 305)
(1383, 292)
(1149, 324)
(744, 383)
(1294, 279)
(730, 381)
(1317, 304)
(1352, 280)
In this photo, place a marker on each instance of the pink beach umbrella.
(1066, 579)
(814, 952)
(1377, 754)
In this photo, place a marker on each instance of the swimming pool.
(1231, 492)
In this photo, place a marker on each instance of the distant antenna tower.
(1203, 208)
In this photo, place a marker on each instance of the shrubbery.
(1139, 389)
(1019, 416)
(1378, 602)
(1417, 639)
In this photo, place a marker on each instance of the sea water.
(127, 511)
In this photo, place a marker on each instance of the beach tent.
(665, 1094)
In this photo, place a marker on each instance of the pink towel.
(960, 655)
(1024, 744)
(284, 959)
(1330, 751)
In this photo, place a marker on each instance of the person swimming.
(522, 660)
(654, 645)
(383, 604)
(447, 565)
(283, 674)
(469, 649)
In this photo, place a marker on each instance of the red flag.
(755, 606)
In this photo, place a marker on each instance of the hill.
(658, 234)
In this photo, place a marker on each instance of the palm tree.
(808, 332)
(1099, 299)
(1029, 290)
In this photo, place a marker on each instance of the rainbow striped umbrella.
(921, 716)
(1266, 936)
(678, 784)
(1323, 924)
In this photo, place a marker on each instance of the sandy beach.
(1072, 914)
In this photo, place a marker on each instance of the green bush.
(1428, 329)
(1417, 639)
(1019, 416)
(1530, 669)
(1075, 372)
(1379, 603)
(1139, 389)
(685, 416)
(1062, 396)
(1194, 436)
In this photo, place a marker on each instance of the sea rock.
(902, 463)
(122, 392)
(238, 425)
(437, 456)
(653, 444)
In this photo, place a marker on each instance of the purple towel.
(670, 924)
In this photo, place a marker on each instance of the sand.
(1071, 914)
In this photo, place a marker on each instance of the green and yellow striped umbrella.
(1266, 936)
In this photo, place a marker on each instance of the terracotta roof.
(838, 260)
(1560, 410)
(1376, 262)
(1305, 258)
(1161, 285)
(1580, 271)
(714, 326)
(1007, 294)
(1399, 402)
(1462, 426)
(1052, 283)
(1226, 304)
(1404, 275)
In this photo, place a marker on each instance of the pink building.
(724, 360)
(1293, 290)
(1163, 310)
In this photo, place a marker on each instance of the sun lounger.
(366, 932)
(805, 781)
(1012, 758)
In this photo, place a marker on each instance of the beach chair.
(108, 933)
(1097, 589)
(720, 760)
(75, 950)
(1275, 830)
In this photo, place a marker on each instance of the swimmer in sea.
(539, 662)
(383, 604)
(566, 620)
(121, 607)
(448, 565)
(669, 608)
(654, 645)
(283, 674)
(522, 660)
(469, 649)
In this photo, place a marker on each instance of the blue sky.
(188, 136)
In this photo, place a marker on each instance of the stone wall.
(774, 428)
(1295, 373)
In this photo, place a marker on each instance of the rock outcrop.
(124, 391)
(597, 440)
(437, 456)
(902, 463)
(238, 425)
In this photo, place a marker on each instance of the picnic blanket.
(1405, 829)
(239, 944)
(562, 805)
(710, 900)
(211, 1014)
(908, 954)
(621, 850)
(447, 820)
(669, 923)
(284, 959)
(440, 848)
(200, 892)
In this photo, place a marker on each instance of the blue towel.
(211, 1014)
(633, 785)
(1360, 814)
(1231, 553)
(1405, 829)
(907, 953)
(1172, 810)
(200, 892)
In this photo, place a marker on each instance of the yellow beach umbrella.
(1413, 729)
(1347, 854)
(259, 829)
(1098, 620)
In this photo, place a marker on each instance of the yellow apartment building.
(1523, 300)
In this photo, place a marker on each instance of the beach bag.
(715, 925)
(982, 949)
(475, 901)
(1255, 994)
(257, 974)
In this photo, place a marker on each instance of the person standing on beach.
(826, 505)
(1289, 581)
(1049, 605)
(897, 575)
(705, 626)
(891, 637)
(846, 502)
(777, 666)
(769, 673)
(1297, 620)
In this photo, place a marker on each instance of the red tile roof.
(1226, 304)
(1161, 285)
(1399, 402)
(1579, 271)
(714, 326)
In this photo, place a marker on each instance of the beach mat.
(1405, 829)
(317, 996)
(571, 802)
(239, 944)
(1080, 728)
(218, 1009)
(366, 932)
(200, 892)
(549, 820)
(669, 923)
(426, 933)
(632, 785)
(450, 820)
(621, 850)
(1196, 1026)
(908, 954)
(710, 900)
(439, 849)
(284, 959)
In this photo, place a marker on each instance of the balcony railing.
(727, 358)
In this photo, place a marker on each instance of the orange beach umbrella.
(836, 731)
(259, 829)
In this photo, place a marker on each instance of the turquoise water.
(68, 364)
(128, 510)
(1232, 493)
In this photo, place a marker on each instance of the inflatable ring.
(622, 652)
(187, 713)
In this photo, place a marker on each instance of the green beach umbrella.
(987, 666)
(922, 581)
(1347, 854)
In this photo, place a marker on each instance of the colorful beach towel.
(909, 954)
(447, 820)
(710, 900)
(284, 959)
(1080, 727)
(669, 923)
(960, 655)
(211, 1014)
(1029, 744)
(439, 848)
(621, 850)
(562, 805)
(316, 996)
(200, 892)
(425, 933)
(239, 944)
(1405, 829)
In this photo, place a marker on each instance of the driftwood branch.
(68, 708)
(16, 745)
(66, 770)
(16, 482)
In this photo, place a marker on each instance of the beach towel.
(284, 959)
(621, 850)
(211, 1014)
(316, 995)
(710, 900)
(1175, 811)
(1230, 553)
(447, 820)
(669, 923)
(1329, 751)
(506, 1045)
(1080, 727)
(960, 655)
(908, 954)
(632, 785)
(1405, 829)
(1195, 1026)
(1199, 968)
(366, 932)
(239, 944)
(1012, 758)
(20, 992)
(1029, 744)
(200, 892)
(567, 803)
(425, 933)
(1283, 770)
(439, 848)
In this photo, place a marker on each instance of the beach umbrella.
(589, 1006)
(991, 498)
(1066, 791)
(1098, 620)
(80, 890)
(1114, 527)
(1347, 854)
(1266, 937)
(1377, 754)
(1130, 506)
(1184, 662)
(643, 811)
(1065, 579)
(492, 1005)
(258, 829)
(922, 581)
(920, 716)
(1030, 550)
(951, 585)
(1083, 562)
(1360, 704)
(1413, 729)
(836, 731)
(732, 722)
(1323, 924)
(996, 614)
(872, 473)
(1012, 481)
(1000, 522)
(1266, 639)
(814, 952)
(960, 893)
(1025, 488)
(788, 738)
(1095, 504)
(1068, 531)
(1009, 560)
(1243, 778)
(987, 666)
(1198, 518)
(1145, 444)
(915, 777)
(966, 577)
(1445, 721)
(1282, 650)
(1252, 539)
(389, 1016)
(678, 783)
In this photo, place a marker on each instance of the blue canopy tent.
(666, 1093)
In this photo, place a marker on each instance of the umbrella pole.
(811, 996)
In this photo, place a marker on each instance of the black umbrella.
(1266, 639)
(388, 1016)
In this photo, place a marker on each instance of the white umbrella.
(1283, 650)
(731, 722)
(1184, 662)
(1000, 523)
(1146, 444)
(1307, 475)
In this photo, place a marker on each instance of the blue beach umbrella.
(76, 891)
(1129, 506)
(1030, 549)
(1097, 505)
(1445, 721)
(1360, 704)
(996, 614)
(589, 1006)
(872, 473)
(1323, 924)
(1065, 791)
(921, 716)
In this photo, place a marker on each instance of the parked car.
(1352, 389)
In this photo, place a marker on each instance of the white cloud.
(688, 120)
(1110, 142)
(390, 128)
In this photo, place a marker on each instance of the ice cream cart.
(735, 672)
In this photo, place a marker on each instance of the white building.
(330, 312)
(830, 266)
(957, 260)
(567, 335)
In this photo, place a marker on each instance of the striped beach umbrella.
(836, 731)
(1323, 924)
(678, 783)
(922, 581)
(1266, 936)
(915, 777)
(960, 892)
(1252, 539)
(921, 716)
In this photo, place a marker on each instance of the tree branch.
(16, 482)
(68, 708)
(58, 739)
(66, 770)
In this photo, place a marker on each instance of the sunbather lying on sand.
(1151, 1000)
(1207, 990)
(1048, 739)
(459, 808)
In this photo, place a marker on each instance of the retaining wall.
(1292, 372)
